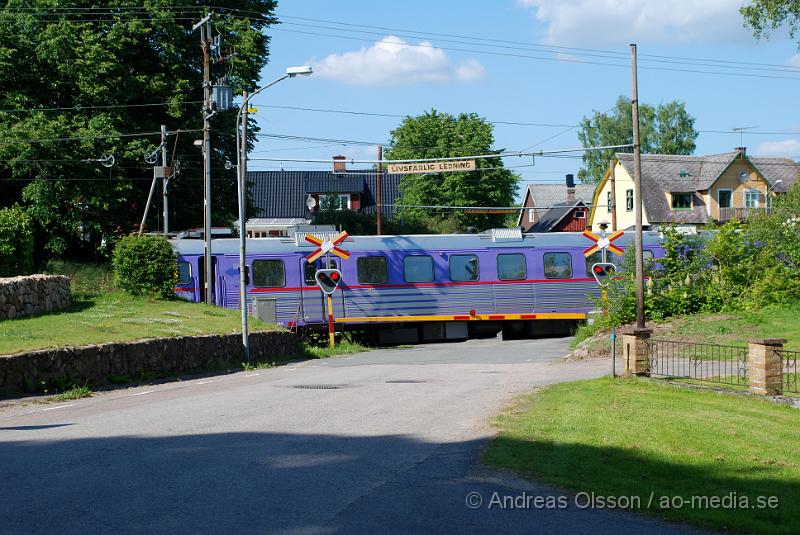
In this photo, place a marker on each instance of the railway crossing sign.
(328, 279)
(327, 245)
(603, 242)
(603, 272)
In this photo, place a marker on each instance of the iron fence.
(704, 362)
(789, 367)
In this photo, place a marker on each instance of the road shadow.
(297, 483)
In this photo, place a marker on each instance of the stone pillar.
(765, 367)
(635, 352)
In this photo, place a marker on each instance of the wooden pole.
(330, 321)
(637, 195)
(379, 192)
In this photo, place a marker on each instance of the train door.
(201, 274)
(313, 300)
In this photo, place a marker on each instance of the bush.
(16, 242)
(146, 265)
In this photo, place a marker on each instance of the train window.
(463, 267)
(268, 273)
(557, 265)
(184, 273)
(418, 268)
(372, 270)
(511, 267)
(310, 269)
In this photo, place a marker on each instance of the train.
(413, 288)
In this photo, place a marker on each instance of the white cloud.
(604, 22)
(393, 61)
(787, 148)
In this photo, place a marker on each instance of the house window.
(751, 198)
(681, 201)
(580, 214)
(557, 265)
(418, 268)
(268, 273)
(629, 200)
(511, 267)
(372, 270)
(184, 273)
(724, 198)
(608, 202)
(531, 214)
(463, 267)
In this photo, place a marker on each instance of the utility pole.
(166, 177)
(242, 181)
(379, 192)
(205, 44)
(637, 195)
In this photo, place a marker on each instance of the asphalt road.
(386, 441)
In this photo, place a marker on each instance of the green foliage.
(766, 16)
(146, 265)
(364, 224)
(93, 67)
(76, 392)
(739, 266)
(441, 135)
(88, 280)
(663, 129)
(16, 242)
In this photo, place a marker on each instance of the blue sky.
(380, 67)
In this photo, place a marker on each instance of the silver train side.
(417, 287)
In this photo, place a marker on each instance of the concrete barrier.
(97, 365)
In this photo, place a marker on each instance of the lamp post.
(241, 155)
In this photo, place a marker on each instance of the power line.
(79, 107)
(85, 138)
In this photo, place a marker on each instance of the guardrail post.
(765, 366)
(636, 350)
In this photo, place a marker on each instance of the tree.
(83, 75)
(765, 16)
(664, 129)
(441, 135)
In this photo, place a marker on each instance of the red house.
(556, 208)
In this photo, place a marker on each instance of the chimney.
(741, 150)
(570, 188)
(339, 164)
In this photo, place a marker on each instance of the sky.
(544, 63)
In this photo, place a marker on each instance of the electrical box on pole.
(221, 97)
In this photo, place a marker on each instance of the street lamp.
(241, 155)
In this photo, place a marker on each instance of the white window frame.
(344, 201)
(609, 203)
(749, 194)
(629, 198)
(580, 213)
(531, 214)
(719, 204)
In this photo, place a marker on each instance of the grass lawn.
(634, 437)
(117, 317)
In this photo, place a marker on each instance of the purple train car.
(411, 288)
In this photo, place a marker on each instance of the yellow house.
(690, 190)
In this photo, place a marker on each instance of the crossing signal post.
(603, 273)
(328, 279)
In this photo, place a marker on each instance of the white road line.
(252, 375)
(349, 358)
(59, 407)
(142, 393)
(204, 382)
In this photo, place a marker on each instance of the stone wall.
(33, 294)
(96, 365)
